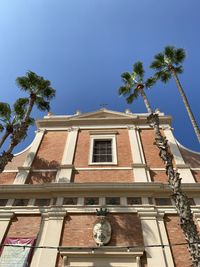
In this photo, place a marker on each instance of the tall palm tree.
(168, 64)
(40, 93)
(131, 90)
(134, 85)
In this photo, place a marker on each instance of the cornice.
(73, 121)
(95, 187)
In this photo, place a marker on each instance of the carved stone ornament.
(102, 231)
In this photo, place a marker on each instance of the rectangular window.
(163, 201)
(42, 202)
(102, 151)
(134, 200)
(112, 201)
(20, 202)
(70, 201)
(91, 201)
(3, 202)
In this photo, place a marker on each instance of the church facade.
(91, 190)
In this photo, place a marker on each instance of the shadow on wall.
(41, 163)
(42, 177)
(126, 230)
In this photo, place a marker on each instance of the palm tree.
(40, 93)
(131, 90)
(10, 119)
(134, 85)
(168, 64)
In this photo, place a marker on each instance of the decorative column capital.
(71, 129)
(6, 216)
(147, 215)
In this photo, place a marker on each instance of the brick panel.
(51, 149)
(24, 226)
(180, 253)
(83, 148)
(126, 230)
(159, 176)
(17, 161)
(41, 177)
(151, 151)
(103, 176)
(7, 177)
(196, 175)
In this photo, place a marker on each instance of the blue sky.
(83, 46)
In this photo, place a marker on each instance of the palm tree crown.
(40, 90)
(167, 61)
(134, 84)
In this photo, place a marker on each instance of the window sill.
(101, 163)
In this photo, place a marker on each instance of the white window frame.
(111, 137)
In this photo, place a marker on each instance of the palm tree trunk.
(146, 102)
(181, 200)
(4, 137)
(187, 106)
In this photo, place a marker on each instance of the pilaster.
(165, 241)
(51, 230)
(25, 169)
(5, 218)
(64, 173)
(140, 171)
(151, 235)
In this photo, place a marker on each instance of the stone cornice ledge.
(95, 187)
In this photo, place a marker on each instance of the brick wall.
(150, 150)
(103, 176)
(180, 253)
(24, 226)
(83, 148)
(17, 161)
(7, 177)
(77, 230)
(51, 149)
(158, 176)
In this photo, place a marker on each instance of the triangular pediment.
(104, 113)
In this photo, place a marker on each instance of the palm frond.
(23, 83)
(126, 77)
(30, 121)
(130, 99)
(150, 82)
(178, 69)
(42, 104)
(48, 93)
(132, 96)
(169, 52)
(33, 78)
(165, 76)
(179, 56)
(19, 107)
(156, 64)
(5, 111)
(138, 69)
(160, 57)
(124, 90)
